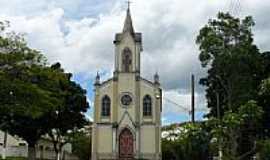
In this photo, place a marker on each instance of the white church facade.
(127, 107)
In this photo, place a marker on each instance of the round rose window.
(126, 99)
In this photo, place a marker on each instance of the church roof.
(137, 37)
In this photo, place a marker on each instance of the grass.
(14, 158)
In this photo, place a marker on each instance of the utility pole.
(192, 98)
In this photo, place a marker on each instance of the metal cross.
(129, 2)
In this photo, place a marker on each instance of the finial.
(128, 3)
(97, 82)
(156, 78)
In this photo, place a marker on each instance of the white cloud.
(169, 29)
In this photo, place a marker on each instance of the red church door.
(126, 145)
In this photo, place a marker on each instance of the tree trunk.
(230, 92)
(5, 146)
(63, 155)
(234, 144)
(58, 155)
(4, 153)
(31, 152)
(58, 152)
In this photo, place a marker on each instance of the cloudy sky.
(79, 34)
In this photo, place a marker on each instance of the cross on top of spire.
(128, 3)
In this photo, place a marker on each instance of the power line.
(235, 7)
(183, 107)
(176, 104)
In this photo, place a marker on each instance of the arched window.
(126, 60)
(147, 106)
(106, 106)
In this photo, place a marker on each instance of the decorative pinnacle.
(97, 79)
(156, 78)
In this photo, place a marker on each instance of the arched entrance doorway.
(126, 145)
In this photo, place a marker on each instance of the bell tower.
(128, 47)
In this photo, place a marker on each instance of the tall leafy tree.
(68, 117)
(30, 91)
(234, 65)
(24, 98)
(232, 59)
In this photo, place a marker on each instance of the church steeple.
(128, 45)
(128, 26)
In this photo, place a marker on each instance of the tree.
(266, 64)
(25, 103)
(227, 131)
(264, 93)
(74, 105)
(233, 62)
(81, 145)
(234, 66)
(168, 149)
(194, 142)
(23, 98)
(190, 141)
(264, 150)
(31, 91)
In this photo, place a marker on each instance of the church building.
(127, 107)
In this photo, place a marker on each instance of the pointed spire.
(128, 27)
(97, 82)
(156, 78)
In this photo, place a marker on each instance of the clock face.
(126, 100)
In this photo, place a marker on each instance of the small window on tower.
(106, 106)
(126, 60)
(147, 106)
